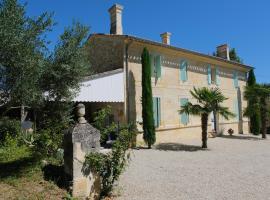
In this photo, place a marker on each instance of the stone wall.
(105, 53)
(170, 88)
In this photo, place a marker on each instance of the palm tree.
(260, 94)
(209, 100)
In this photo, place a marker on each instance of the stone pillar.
(116, 19)
(78, 141)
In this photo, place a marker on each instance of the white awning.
(104, 87)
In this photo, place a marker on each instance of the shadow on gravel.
(178, 147)
(240, 137)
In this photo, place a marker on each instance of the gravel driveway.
(235, 167)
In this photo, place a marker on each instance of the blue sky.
(195, 25)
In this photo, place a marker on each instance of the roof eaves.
(130, 37)
(103, 74)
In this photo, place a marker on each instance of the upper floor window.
(235, 79)
(183, 70)
(213, 75)
(156, 65)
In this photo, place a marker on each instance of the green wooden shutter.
(158, 66)
(217, 77)
(155, 111)
(209, 74)
(152, 60)
(236, 109)
(235, 79)
(183, 70)
(184, 116)
(158, 112)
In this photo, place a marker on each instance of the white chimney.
(116, 19)
(166, 38)
(223, 51)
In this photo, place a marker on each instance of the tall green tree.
(253, 108)
(251, 78)
(261, 94)
(22, 50)
(208, 101)
(234, 56)
(149, 135)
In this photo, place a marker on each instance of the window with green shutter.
(152, 60)
(217, 76)
(183, 70)
(235, 79)
(236, 109)
(158, 66)
(209, 75)
(184, 118)
(156, 111)
(156, 63)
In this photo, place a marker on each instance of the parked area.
(234, 167)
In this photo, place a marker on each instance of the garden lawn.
(233, 168)
(22, 177)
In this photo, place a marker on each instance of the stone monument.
(79, 140)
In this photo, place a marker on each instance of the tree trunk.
(204, 120)
(22, 113)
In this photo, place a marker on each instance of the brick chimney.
(223, 51)
(166, 38)
(116, 19)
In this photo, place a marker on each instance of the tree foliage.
(258, 95)
(32, 76)
(67, 65)
(234, 56)
(251, 78)
(208, 101)
(149, 135)
(253, 108)
(28, 68)
(22, 51)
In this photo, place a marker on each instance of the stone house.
(175, 71)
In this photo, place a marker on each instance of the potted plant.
(230, 131)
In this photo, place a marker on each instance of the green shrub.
(110, 166)
(13, 149)
(103, 123)
(9, 127)
(49, 140)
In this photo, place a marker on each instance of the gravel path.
(235, 167)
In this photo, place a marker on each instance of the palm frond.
(209, 100)
(189, 108)
(224, 112)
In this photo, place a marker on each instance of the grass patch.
(23, 177)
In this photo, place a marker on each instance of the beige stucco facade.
(126, 53)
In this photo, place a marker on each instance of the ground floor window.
(184, 118)
(156, 111)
